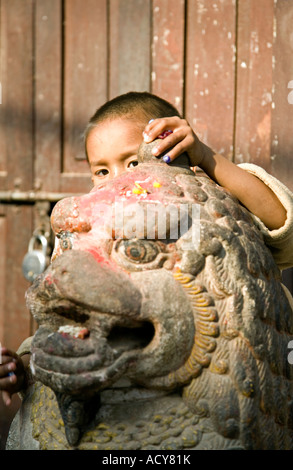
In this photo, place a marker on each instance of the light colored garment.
(280, 241)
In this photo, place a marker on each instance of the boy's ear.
(145, 155)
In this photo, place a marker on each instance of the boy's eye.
(133, 164)
(102, 172)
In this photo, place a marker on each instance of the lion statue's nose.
(100, 285)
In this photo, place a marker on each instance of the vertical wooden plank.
(6, 413)
(2, 272)
(17, 124)
(168, 51)
(210, 72)
(282, 112)
(16, 156)
(16, 113)
(3, 47)
(130, 39)
(48, 94)
(85, 74)
(254, 82)
(15, 317)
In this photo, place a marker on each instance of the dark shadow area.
(7, 414)
(287, 276)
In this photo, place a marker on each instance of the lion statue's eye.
(139, 251)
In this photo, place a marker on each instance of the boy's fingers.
(8, 387)
(157, 127)
(5, 351)
(8, 353)
(174, 153)
(174, 137)
(7, 370)
(7, 366)
(6, 398)
(9, 379)
(176, 150)
(170, 141)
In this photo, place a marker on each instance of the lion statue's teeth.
(75, 331)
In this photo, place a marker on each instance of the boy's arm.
(253, 193)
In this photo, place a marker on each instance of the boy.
(112, 139)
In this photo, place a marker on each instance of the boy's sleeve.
(280, 241)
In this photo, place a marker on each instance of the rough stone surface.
(182, 344)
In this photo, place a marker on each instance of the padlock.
(34, 262)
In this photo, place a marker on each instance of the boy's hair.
(140, 105)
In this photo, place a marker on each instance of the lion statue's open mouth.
(122, 330)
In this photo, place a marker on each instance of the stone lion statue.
(162, 323)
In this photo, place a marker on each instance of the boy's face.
(112, 148)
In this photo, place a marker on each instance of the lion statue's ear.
(145, 155)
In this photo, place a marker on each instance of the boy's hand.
(12, 374)
(260, 200)
(180, 136)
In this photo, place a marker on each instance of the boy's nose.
(117, 169)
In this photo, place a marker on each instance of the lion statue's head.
(162, 321)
